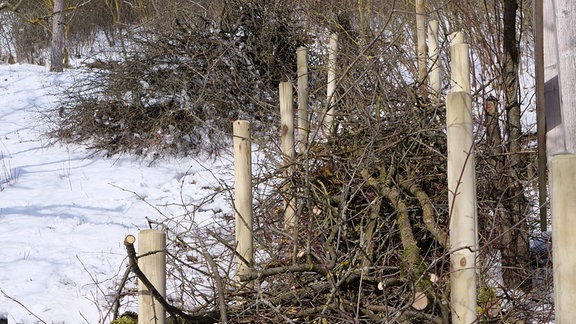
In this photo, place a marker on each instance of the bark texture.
(514, 227)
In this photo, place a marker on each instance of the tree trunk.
(514, 229)
(421, 43)
(57, 57)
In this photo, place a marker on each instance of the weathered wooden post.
(461, 187)
(434, 75)
(331, 86)
(563, 199)
(243, 195)
(554, 129)
(152, 262)
(565, 14)
(460, 63)
(303, 123)
(287, 139)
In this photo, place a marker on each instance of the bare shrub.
(180, 89)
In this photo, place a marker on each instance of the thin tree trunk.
(515, 245)
(57, 57)
(540, 111)
(421, 42)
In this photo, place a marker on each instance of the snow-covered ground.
(64, 213)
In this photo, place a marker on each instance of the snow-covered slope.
(64, 214)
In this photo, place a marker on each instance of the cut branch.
(428, 214)
(411, 251)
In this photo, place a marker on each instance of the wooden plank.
(554, 128)
(565, 15)
(563, 191)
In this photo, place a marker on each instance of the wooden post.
(421, 42)
(461, 188)
(243, 195)
(303, 123)
(563, 193)
(554, 129)
(287, 128)
(565, 13)
(152, 262)
(331, 86)
(460, 63)
(434, 76)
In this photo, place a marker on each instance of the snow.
(64, 212)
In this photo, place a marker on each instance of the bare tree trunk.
(540, 111)
(57, 57)
(515, 245)
(421, 42)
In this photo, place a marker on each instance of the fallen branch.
(428, 214)
(260, 274)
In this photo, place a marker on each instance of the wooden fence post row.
(461, 187)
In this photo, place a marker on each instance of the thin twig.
(23, 306)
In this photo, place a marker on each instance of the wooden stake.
(563, 193)
(243, 195)
(460, 63)
(303, 123)
(152, 262)
(287, 127)
(461, 189)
